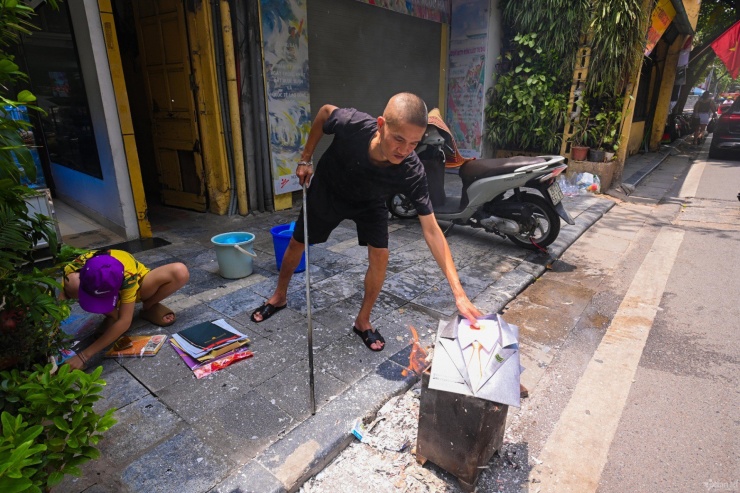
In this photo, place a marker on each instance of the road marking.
(576, 451)
(691, 183)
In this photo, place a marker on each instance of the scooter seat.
(477, 169)
(484, 168)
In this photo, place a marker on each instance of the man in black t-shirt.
(368, 159)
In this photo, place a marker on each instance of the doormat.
(137, 246)
(42, 259)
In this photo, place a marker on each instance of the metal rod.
(308, 306)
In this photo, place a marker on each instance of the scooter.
(516, 198)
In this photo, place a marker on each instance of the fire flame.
(417, 358)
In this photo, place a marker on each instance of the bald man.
(368, 159)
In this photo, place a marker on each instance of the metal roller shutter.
(360, 55)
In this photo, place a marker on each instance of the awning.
(681, 21)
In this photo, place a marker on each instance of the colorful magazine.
(201, 339)
(203, 369)
(136, 346)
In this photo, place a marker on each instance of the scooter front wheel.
(548, 224)
(401, 206)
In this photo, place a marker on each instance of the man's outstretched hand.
(469, 311)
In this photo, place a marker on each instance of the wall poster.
(431, 10)
(662, 16)
(285, 47)
(465, 79)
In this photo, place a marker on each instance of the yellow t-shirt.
(133, 272)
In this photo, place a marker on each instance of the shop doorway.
(154, 50)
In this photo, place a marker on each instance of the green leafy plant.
(617, 34)
(559, 24)
(606, 126)
(49, 427)
(526, 107)
(30, 313)
(581, 124)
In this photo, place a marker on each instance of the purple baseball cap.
(100, 282)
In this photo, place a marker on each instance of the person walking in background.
(703, 110)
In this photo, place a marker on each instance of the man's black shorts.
(326, 211)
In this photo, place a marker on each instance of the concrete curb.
(631, 183)
(309, 447)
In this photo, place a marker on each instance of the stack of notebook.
(210, 346)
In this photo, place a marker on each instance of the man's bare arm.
(314, 136)
(441, 251)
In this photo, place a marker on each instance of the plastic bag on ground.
(568, 186)
(588, 182)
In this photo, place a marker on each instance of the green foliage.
(559, 24)
(606, 127)
(582, 124)
(617, 33)
(30, 313)
(49, 427)
(527, 104)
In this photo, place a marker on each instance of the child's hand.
(76, 362)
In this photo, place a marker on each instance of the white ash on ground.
(386, 464)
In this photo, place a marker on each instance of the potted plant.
(606, 131)
(581, 132)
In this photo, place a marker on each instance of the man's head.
(402, 126)
(99, 284)
(706, 95)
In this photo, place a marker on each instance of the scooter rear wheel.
(547, 219)
(401, 206)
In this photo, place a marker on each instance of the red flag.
(727, 49)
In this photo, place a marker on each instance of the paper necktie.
(475, 368)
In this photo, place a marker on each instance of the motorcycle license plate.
(556, 195)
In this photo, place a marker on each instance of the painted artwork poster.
(662, 16)
(467, 61)
(431, 10)
(285, 47)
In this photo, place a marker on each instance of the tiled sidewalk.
(248, 427)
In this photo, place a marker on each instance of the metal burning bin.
(459, 433)
(462, 419)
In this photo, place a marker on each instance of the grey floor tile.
(160, 371)
(280, 319)
(240, 301)
(251, 478)
(244, 427)
(140, 425)
(192, 398)
(343, 285)
(319, 300)
(271, 356)
(290, 389)
(120, 390)
(183, 463)
(347, 359)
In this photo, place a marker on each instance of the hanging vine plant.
(617, 33)
(558, 23)
(527, 106)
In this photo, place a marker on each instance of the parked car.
(726, 138)
(724, 105)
